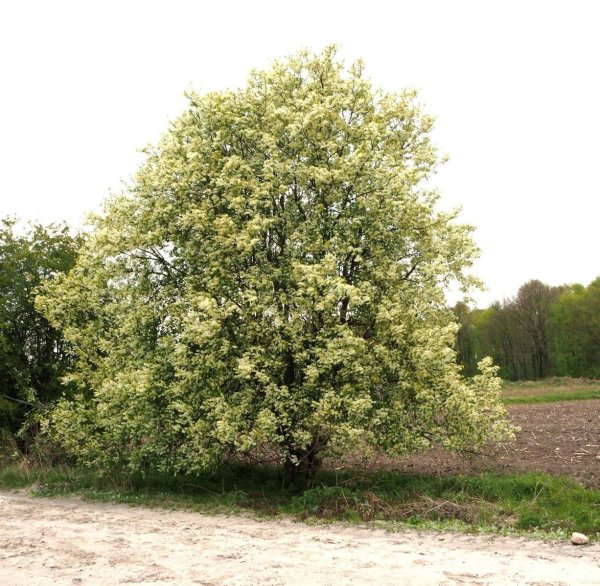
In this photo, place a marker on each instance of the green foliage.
(33, 355)
(575, 331)
(276, 276)
(543, 331)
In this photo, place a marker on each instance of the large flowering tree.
(275, 277)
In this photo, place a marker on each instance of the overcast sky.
(514, 85)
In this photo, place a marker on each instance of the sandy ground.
(52, 541)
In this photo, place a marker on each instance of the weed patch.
(485, 502)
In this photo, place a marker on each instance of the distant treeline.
(542, 331)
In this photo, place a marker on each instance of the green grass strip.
(533, 503)
(576, 395)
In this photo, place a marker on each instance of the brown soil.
(557, 438)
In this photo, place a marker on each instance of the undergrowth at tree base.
(533, 503)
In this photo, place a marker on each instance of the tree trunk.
(301, 466)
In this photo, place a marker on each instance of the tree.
(276, 275)
(515, 333)
(491, 332)
(574, 330)
(531, 308)
(591, 311)
(466, 338)
(33, 356)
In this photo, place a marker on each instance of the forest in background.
(542, 331)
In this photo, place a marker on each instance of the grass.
(553, 397)
(550, 390)
(14, 477)
(533, 503)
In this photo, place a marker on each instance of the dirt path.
(51, 541)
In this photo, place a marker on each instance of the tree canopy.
(275, 276)
(33, 356)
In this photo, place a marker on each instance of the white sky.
(515, 87)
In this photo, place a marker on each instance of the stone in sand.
(579, 539)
